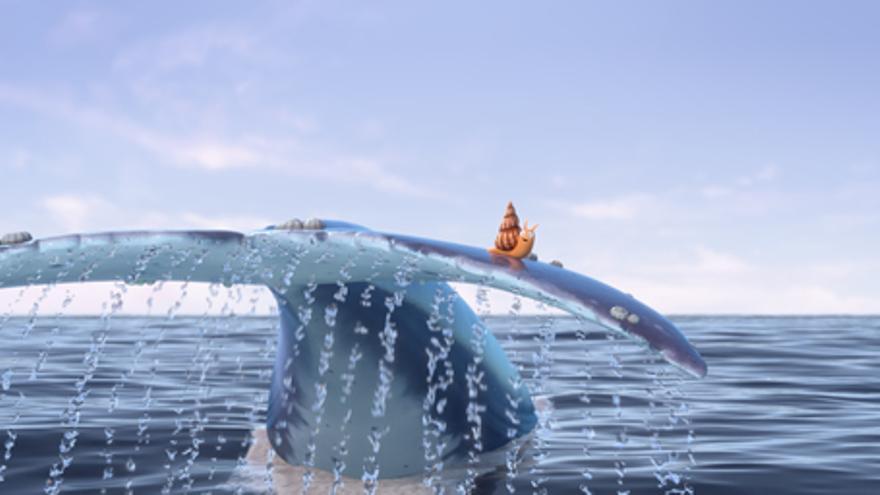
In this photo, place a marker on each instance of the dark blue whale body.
(382, 369)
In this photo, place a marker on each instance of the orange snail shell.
(509, 231)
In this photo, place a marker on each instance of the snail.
(511, 240)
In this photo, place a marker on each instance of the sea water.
(159, 405)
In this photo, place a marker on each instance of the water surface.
(158, 405)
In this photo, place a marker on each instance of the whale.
(382, 370)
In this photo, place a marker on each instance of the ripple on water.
(790, 405)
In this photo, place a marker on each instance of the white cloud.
(217, 156)
(206, 153)
(71, 213)
(817, 299)
(764, 175)
(74, 213)
(710, 261)
(696, 264)
(241, 223)
(219, 153)
(772, 293)
(713, 192)
(699, 280)
(621, 208)
(373, 173)
(704, 280)
(840, 270)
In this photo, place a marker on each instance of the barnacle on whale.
(15, 238)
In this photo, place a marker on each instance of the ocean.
(791, 405)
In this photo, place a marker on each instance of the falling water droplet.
(7, 379)
(330, 313)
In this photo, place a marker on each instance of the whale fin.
(422, 259)
(304, 268)
(265, 257)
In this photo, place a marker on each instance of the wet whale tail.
(382, 370)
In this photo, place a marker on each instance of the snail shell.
(508, 232)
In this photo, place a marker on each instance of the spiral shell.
(508, 232)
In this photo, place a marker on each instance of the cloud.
(710, 261)
(88, 213)
(208, 154)
(713, 192)
(772, 293)
(211, 153)
(705, 280)
(699, 280)
(191, 48)
(80, 26)
(765, 175)
(241, 223)
(75, 213)
(817, 299)
(216, 156)
(698, 263)
(373, 173)
(622, 208)
(205, 153)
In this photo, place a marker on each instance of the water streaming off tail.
(168, 402)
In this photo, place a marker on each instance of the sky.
(708, 157)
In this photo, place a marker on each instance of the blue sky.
(709, 157)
